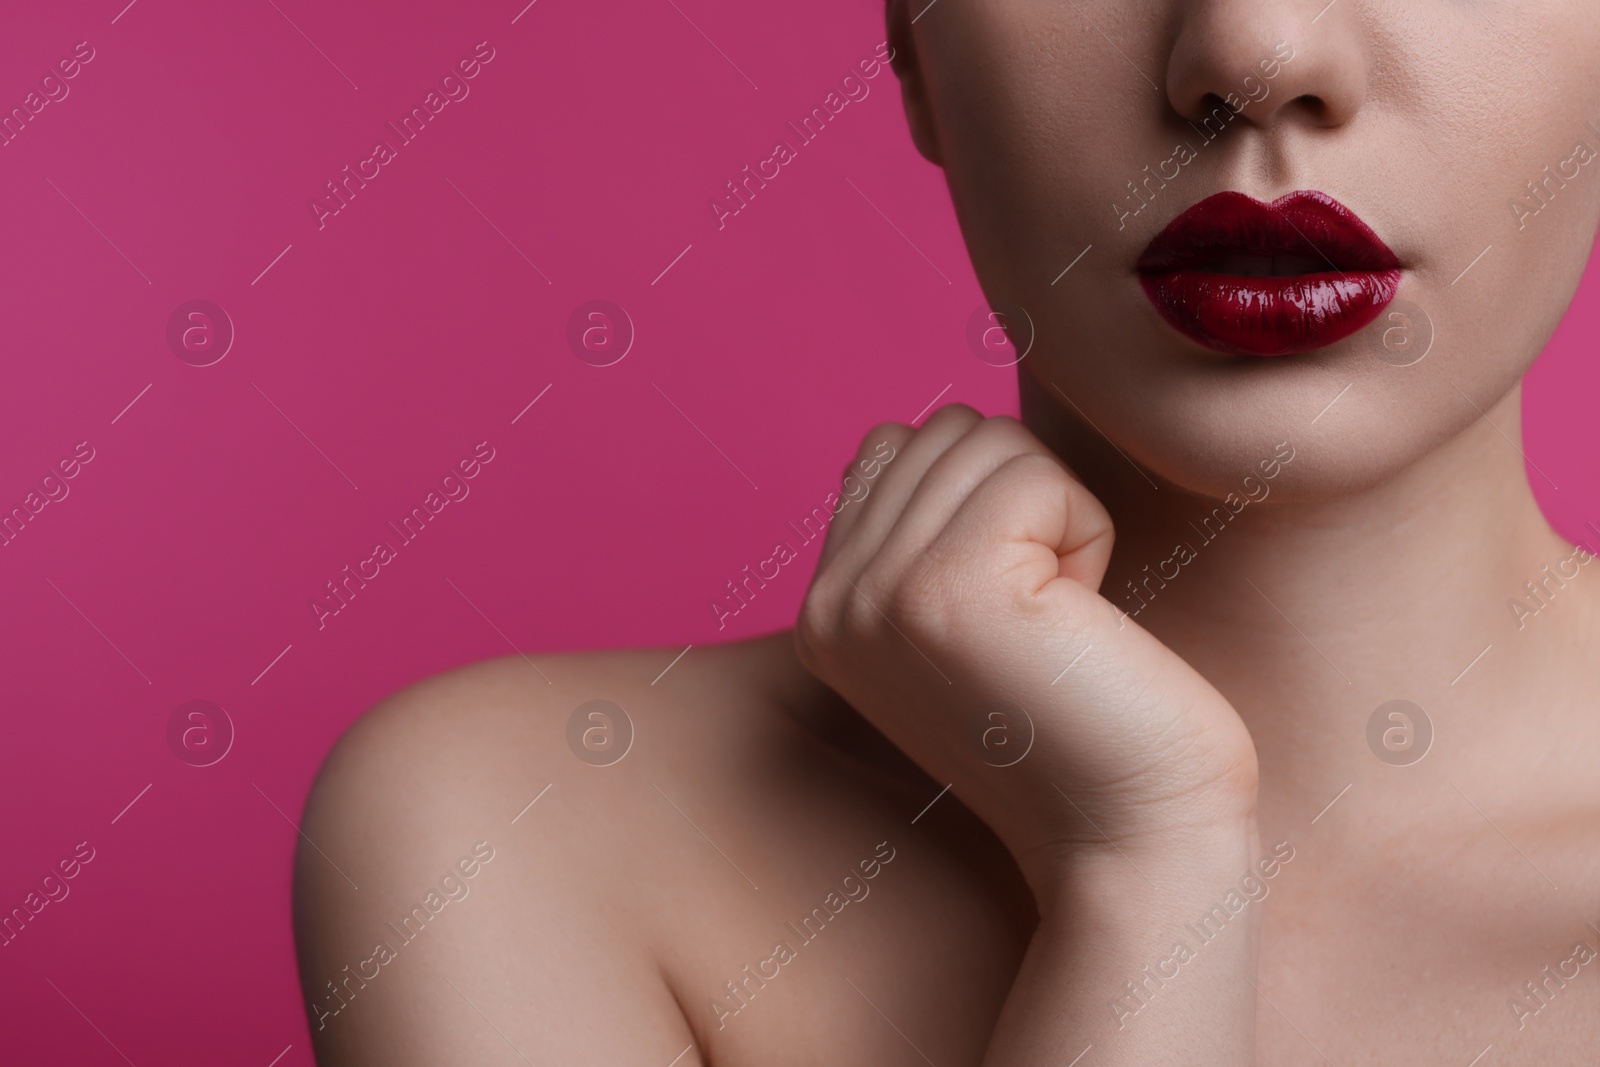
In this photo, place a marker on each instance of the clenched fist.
(957, 608)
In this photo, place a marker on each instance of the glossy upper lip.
(1305, 232)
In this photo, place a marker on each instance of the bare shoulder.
(476, 850)
(455, 749)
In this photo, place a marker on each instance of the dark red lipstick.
(1255, 279)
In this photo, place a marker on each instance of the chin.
(1354, 414)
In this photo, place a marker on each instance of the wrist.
(1213, 815)
(1175, 865)
(1153, 942)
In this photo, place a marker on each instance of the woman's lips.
(1255, 279)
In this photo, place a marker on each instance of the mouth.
(1254, 279)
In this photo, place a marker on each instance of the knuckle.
(896, 433)
(858, 618)
(1005, 435)
(1037, 462)
(808, 641)
(958, 415)
(815, 626)
(1006, 424)
(1033, 470)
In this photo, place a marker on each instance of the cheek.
(1036, 123)
(1498, 182)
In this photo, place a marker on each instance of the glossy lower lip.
(1188, 274)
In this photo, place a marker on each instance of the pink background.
(404, 332)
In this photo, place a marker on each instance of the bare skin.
(1211, 747)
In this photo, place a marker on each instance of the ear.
(913, 87)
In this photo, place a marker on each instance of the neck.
(1309, 615)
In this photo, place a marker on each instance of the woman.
(1235, 706)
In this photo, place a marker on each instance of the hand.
(957, 608)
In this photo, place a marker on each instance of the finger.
(878, 512)
(1029, 502)
(882, 444)
(947, 484)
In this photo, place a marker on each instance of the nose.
(1268, 62)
